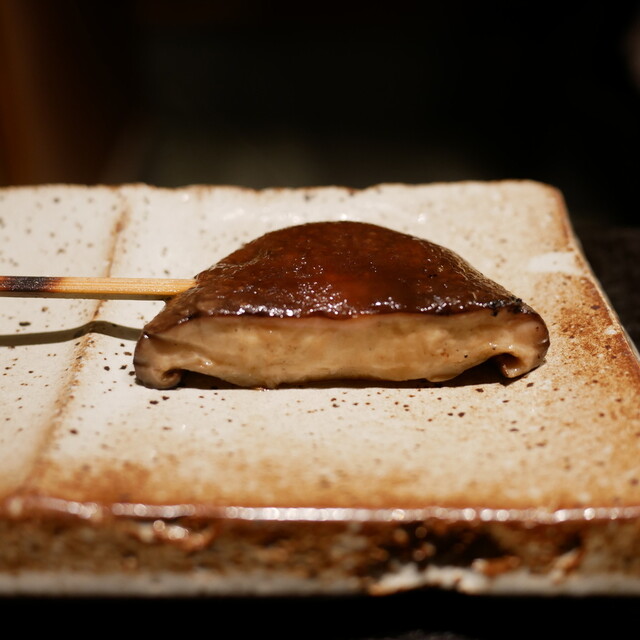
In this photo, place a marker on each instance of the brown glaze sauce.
(337, 270)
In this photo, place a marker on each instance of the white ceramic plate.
(319, 488)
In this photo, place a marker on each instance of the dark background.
(313, 93)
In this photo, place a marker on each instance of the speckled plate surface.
(107, 486)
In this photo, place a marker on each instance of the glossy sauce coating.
(336, 270)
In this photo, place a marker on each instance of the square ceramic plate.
(482, 485)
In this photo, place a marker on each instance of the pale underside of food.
(267, 352)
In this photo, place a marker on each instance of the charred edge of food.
(515, 305)
(444, 308)
(29, 284)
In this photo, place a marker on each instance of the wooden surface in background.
(60, 105)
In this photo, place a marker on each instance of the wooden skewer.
(71, 287)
